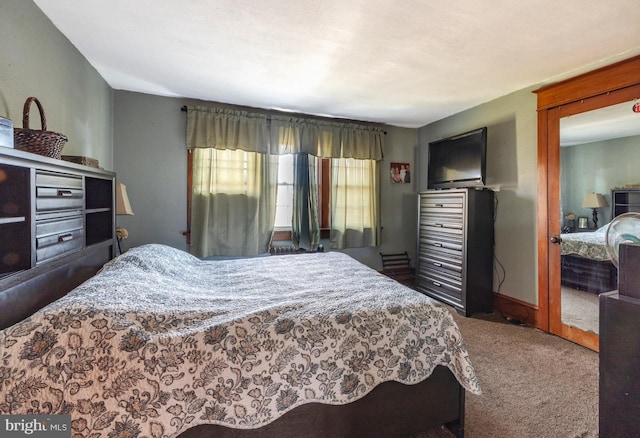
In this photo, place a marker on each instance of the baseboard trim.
(513, 308)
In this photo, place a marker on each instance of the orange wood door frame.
(603, 87)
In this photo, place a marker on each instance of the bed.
(586, 265)
(160, 343)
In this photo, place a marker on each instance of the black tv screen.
(458, 161)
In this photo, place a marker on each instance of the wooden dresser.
(455, 248)
(53, 215)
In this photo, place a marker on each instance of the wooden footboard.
(390, 410)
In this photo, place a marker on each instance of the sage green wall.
(151, 160)
(37, 60)
(597, 167)
(511, 171)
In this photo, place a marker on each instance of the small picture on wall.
(400, 173)
(583, 223)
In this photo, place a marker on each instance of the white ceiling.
(615, 121)
(404, 63)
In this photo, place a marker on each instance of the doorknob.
(556, 239)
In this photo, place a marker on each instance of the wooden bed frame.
(390, 410)
(595, 276)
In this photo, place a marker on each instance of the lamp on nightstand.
(594, 201)
(123, 207)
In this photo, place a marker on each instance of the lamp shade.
(122, 200)
(594, 200)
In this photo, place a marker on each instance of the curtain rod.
(183, 108)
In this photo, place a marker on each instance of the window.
(284, 202)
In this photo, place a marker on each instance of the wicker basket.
(41, 142)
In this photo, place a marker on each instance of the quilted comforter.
(160, 341)
(590, 245)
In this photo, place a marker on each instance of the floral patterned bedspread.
(588, 245)
(160, 341)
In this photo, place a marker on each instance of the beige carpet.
(534, 384)
(580, 309)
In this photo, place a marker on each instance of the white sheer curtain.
(234, 182)
(235, 179)
(233, 202)
(354, 203)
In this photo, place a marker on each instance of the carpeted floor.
(580, 309)
(534, 384)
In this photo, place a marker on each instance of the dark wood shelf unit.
(15, 219)
(625, 201)
(99, 210)
(455, 248)
(50, 209)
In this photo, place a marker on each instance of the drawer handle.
(439, 245)
(437, 264)
(439, 205)
(65, 193)
(438, 225)
(65, 238)
(435, 283)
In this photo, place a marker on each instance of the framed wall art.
(583, 223)
(400, 173)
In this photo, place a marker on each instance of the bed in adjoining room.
(160, 343)
(586, 265)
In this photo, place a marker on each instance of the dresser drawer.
(58, 192)
(450, 230)
(444, 198)
(431, 241)
(440, 289)
(441, 209)
(58, 226)
(441, 261)
(440, 277)
(50, 179)
(58, 236)
(59, 245)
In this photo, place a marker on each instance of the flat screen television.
(458, 161)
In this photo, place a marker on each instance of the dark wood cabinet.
(455, 248)
(15, 219)
(619, 365)
(624, 201)
(619, 385)
(50, 208)
(52, 212)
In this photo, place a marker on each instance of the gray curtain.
(305, 227)
(217, 128)
(323, 139)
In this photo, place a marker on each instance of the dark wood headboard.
(24, 293)
(57, 229)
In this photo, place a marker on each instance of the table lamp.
(594, 201)
(123, 207)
